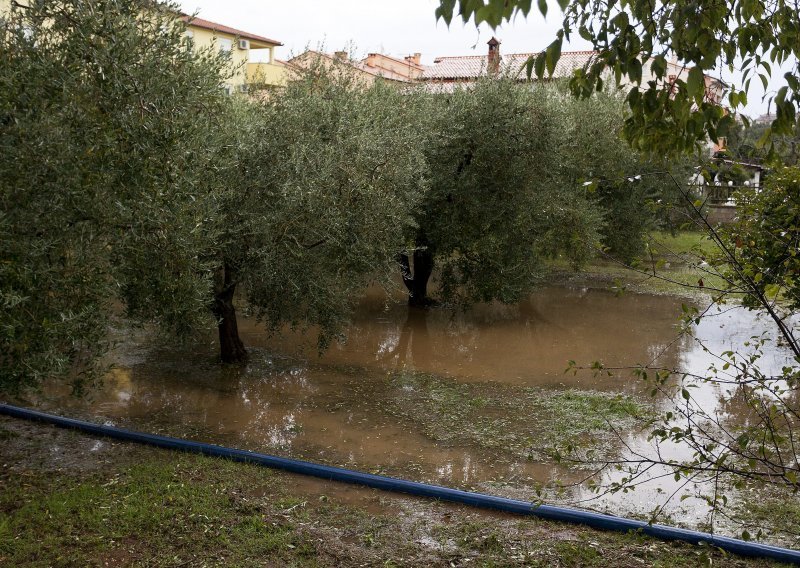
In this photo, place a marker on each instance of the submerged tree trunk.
(230, 345)
(416, 281)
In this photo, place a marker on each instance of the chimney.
(493, 65)
(415, 59)
(340, 55)
(371, 59)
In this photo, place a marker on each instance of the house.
(465, 69)
(242, 46)
(718, 182)
(407, 69)
(263, 69)
(448, 72)
(365, 71)
(767, 118)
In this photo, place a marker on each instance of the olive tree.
(131, 183)
(324, 181)
(628, 187)
(521, 173)
(496, 206)
(756, 256)
(104, 115)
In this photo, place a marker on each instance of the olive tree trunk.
(230, 345)
(416, 278)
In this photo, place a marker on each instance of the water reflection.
(725, 328)
(529, 343)
(333, 408)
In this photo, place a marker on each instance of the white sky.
(393, 27)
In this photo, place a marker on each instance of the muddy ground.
(72, 500)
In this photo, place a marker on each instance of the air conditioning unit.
(244, 44)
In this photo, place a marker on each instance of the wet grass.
(688, 243)
(768, 512)
(526, 422)
(95, 519)
(672, 265)
(128, 505)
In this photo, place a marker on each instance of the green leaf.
(696, 84)
(529, 67)
(635, 70)
(659, 66)
(772, 290)
(445, 11)
(552, 55)
(539, 65)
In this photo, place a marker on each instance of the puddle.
(529, 343)
(383, 401)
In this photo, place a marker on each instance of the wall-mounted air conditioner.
(244, 44)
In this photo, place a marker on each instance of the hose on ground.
(563, 514)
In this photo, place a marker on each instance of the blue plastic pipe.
(563, 514)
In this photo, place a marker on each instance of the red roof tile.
(360, 65)
(403, 61)
(208, 25)
(474, 66)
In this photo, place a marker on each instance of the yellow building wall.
(203, 39)
(266, 74)
(243, 71)
(5, 6)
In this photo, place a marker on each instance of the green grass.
(672, 265)
(768, 511)
(202, 505)
(526, 422)
(682, 243)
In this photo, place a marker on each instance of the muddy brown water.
(338, 407)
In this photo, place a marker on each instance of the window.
(225, 45)
(188, 39)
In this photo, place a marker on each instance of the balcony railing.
(722, 194)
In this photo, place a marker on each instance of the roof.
(359, 65)
(213, 26)
(384, 73)
(679, 68)
(765, 118)
(397, 59)
(754, 165)
(513, 64)
(379, 71)
(468, 67)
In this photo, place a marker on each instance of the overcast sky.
(393, 27)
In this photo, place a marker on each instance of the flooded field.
(472, 400)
